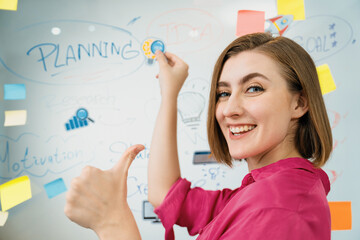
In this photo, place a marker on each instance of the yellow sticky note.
(15, 192)
(15, 118)
(326, 80)
(340, 215)
(9, 5)
(293, 7)
(3, 218)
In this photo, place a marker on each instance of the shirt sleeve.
(189, 207)
(272, 223)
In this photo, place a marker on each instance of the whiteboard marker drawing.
(279, 24)
(79, 120)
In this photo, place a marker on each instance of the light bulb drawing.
(191, 105)
(214, 172)
(212, 177)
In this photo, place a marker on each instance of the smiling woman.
(266, 107)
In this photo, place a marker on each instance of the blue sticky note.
(55, 187)
(14, 91)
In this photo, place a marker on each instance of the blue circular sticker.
(157, 45)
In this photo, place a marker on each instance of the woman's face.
(255, 109)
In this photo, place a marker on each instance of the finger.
(173, 59)
(161, 58)
(90, 176)
(122, 166)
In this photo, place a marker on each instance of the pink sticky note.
(250, 21)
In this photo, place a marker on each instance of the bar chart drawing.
(79, 120)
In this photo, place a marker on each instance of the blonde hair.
(313, 138)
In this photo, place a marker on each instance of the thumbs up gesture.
(97, 200)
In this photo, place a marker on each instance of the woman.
(266, 107)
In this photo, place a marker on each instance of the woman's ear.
(301, 106)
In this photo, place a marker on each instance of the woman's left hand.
(98, 200)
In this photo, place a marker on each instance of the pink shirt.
(284, 200)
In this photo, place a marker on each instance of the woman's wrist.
(118, 233)
(170, 95)
(122, 227)
(169, 98)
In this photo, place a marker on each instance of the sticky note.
(15, 118)
(340, 215)
(292, 7)
(15, 192)
(14, 91)
(326, 80)
(9, 5)
(55, 187)
(249, 21)
(3, 218)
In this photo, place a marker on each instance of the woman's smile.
(240, 131)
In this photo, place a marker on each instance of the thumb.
(161, 58)
(122, 166)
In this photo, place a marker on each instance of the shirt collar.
(288, 163)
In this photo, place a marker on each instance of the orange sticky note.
(326, 80)
(15, 192)
(249, 21)
(9, 5)
(340, 215)
(292, 7)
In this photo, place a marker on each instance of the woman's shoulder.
(286, 189)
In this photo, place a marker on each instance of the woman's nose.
(233, 107)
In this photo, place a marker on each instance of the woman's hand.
(98, 200)
(172, 74)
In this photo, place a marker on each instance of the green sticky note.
(292, 7)
(9, 5)
(15, 192)
(326, 80)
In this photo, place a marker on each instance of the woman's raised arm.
(163, 168)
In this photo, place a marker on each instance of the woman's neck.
(270, 157)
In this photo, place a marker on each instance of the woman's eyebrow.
(243, 80)
(251, 76)
(223, 84)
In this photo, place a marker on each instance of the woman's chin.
(238, 156)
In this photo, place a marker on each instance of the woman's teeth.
(242, 129)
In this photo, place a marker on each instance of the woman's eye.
(254, 89)
(222, 94)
